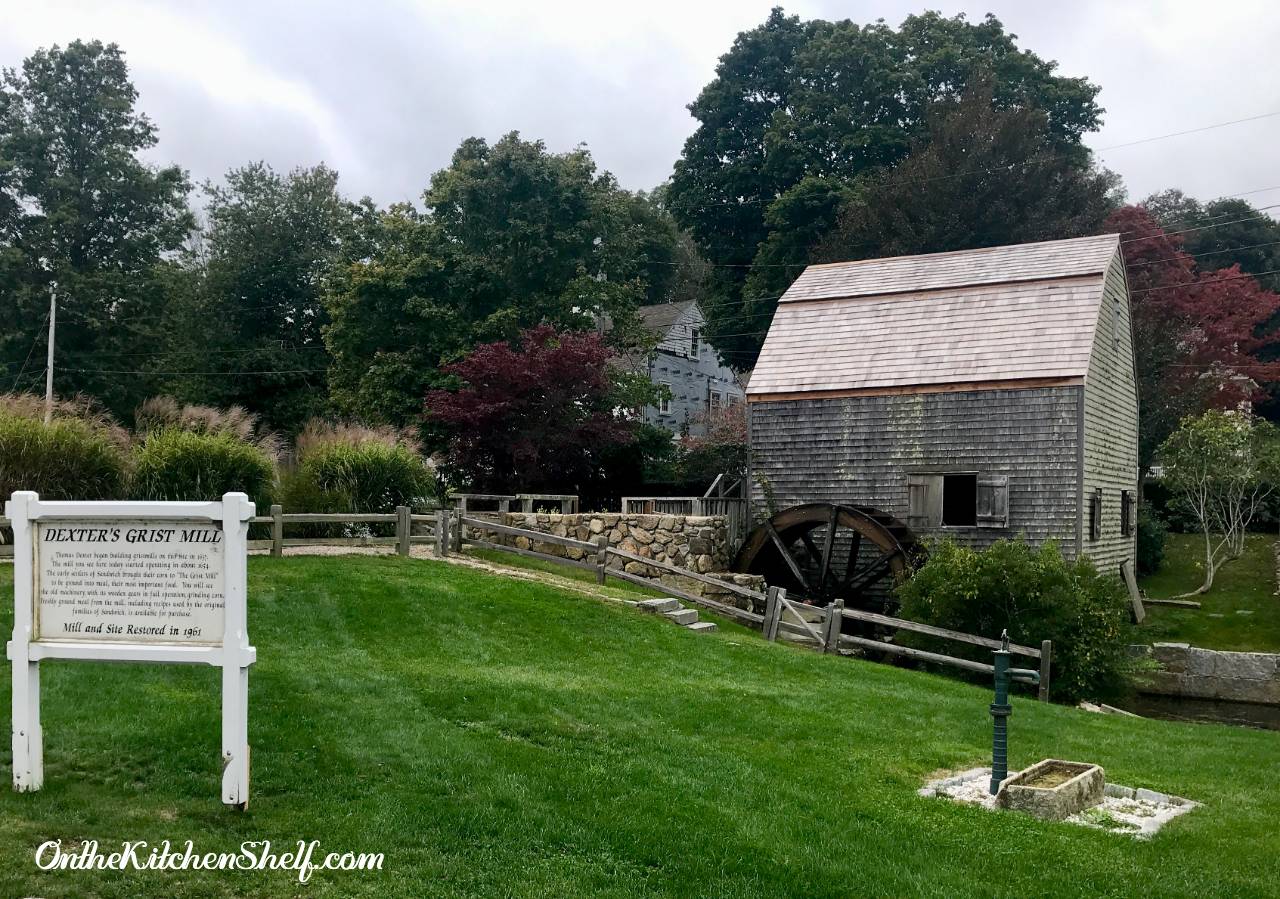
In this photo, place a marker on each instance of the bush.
(80, 455)
(1152, 533)
(348, 468)
(173, 464)
(1036, 595)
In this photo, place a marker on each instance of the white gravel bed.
(1137, 813)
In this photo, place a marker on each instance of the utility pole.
(48, 370)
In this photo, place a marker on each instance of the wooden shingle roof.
(1014, 313)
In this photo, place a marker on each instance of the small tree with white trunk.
(1222, 466)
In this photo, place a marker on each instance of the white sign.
(134, 581)
(131, 582)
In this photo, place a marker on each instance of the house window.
(664, 403)
(695, 336)
(959, 500)
(1095, 515)
(714, 400)
(1126, 513)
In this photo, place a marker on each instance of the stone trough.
(1052, 789)
(1073, 792)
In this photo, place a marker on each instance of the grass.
(615, 588)
(1246, 585)
(496, 737)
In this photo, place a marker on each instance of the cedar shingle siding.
(1111, 422)
(1010, 368)
(866, 450)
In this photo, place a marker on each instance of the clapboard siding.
(1111, 422)
(860, 450)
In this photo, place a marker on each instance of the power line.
(747, 201)
(1202, 283)
(1250, 218)
(1147, 140)
(284, 371)
(30, 353)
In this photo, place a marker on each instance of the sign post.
(131, 582)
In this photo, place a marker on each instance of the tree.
(534, 415)
(725, 448)
(80, 208)
(981, 176)
(1196, 333)
(512, 237)
(1221, 233)
(797, 101)
(1222, 466)
(269, 251)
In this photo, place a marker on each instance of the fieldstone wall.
(696, 543)
(1188, 671)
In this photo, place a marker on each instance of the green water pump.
(1000, 710)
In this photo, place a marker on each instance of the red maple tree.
(1197, 334)
(532, 415)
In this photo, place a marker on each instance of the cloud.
(385, 90)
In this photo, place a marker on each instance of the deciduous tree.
(513, 237)
(537, 414)
(1222, 466)
(78, 206)
(1197, 334)
(794, 101)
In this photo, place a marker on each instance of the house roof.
(995, 314)
(661, 317)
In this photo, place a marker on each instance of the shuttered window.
(959, 500)
(993, 501)
(1095, 515)
(1126, 513)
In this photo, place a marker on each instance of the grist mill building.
(977, 394)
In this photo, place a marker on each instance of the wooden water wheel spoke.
(787, 557)
(830, 546)
(803, 549)
(871, 575)
(852, 565)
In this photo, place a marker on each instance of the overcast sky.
(384, 90)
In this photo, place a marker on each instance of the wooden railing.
(464, 503)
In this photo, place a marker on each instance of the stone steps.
(674, 611)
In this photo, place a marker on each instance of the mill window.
(959, 500)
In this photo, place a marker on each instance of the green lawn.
(501, 738)
(1241, 612)
(615, 588)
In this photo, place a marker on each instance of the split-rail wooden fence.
(820, 627)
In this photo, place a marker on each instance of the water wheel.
(821, 552)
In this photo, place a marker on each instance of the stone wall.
(1210, 674)
(696, 543)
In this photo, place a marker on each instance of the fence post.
(1046, 657)
(402, 530)
(772, 613)
(442, 533)
(457, 537)
(831, 634)
(602, 558)
(566, 506)
(277, 530)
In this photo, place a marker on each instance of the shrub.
(80, 455)
(173, 464)
(1152, 532)
(349, 468)
(1036, 595)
